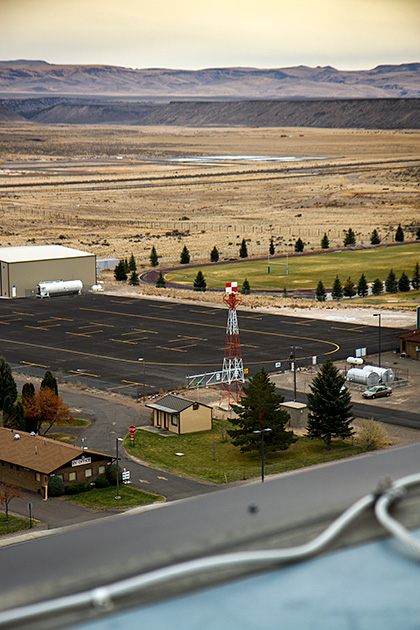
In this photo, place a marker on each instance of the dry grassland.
(109, 190)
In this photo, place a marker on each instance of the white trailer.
(59, 287)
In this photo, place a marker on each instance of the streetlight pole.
(293, 358)
(144, 370)
(379, 334)
(261, 432)
(117, 496)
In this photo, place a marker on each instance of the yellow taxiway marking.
(101, 324)
(206, 312)
(160, 306)
(78, 334)
(164, 478)
(132, 343)
(7, 323)
(179, 349)
(62, 319)
(34, 364)
(144, 481)
(134, 383)
(26, 314)
(83, 373)
(356, 329)
(248, 345)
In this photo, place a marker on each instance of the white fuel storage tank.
(364, 377)
(59, 287)
(386, 375)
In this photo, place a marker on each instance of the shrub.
(372, 435)
(71, 488)
(111, 474)
(101, 482)
(55, 486)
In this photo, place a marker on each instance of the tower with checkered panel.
(232, 376)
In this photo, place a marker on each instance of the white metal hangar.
(23, 268)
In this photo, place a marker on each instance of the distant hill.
(393, 113)
(39, 78)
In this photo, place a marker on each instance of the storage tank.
(386, 375)
(355, 360)
(362, 376)
(59, 287)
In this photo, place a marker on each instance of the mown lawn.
(210, 455)
(306, 271)
(16, 524)
(104, 498)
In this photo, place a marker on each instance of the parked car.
(377, 391)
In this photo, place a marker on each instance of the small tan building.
(179, 415)
(23, 268)
(298, 413)
(410, 344)
(27, 461)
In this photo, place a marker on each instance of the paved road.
(122, 546)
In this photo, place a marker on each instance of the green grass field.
(15, 524)
(306, 271)
(104, 498)
(208, 455)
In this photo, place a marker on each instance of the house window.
(17, 468)
(101, 470)
(11, 466)
(88, 472)
(61, 477)
(37, 477)
(174, 419)
(72, 476)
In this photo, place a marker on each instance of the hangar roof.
(39, 252)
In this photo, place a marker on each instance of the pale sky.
(193, 34)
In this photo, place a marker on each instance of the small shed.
(410, 344)
(179, 415)
(27, 461)
(298, 413)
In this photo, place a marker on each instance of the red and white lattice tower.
(232, 376)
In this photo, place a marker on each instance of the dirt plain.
(117, 190)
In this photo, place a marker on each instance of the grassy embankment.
(211, 456)
(104, 498)
(16, 524)
(306, 271)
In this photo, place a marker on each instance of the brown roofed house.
(179, 415)
(28, 460)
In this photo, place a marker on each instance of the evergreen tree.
(391, 284)
(259, 408)
(28, 390)
(415, 280)
(126, 267)
(185, 256)
(299, 245)
(243, 250)
(349, 238)
(271, 249)
(330, 409)
(418, 234)
(246, 289)
(284, 292)
(49, 382)
(320, 294)
(154, 261)
(348, 289)
(200, 283)
(399, 234)
(362, 286)
(7, 383)
(404, 283)
(161, 282)
(132, 263)
(134, 279)
(214, 254)
(325, 243)
(374, 238)
(377, 287)
(13, 415)
(337, 289)
(120, 273)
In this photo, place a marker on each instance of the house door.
(166, 421)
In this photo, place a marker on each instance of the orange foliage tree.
(7, 493)
(45, 407)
